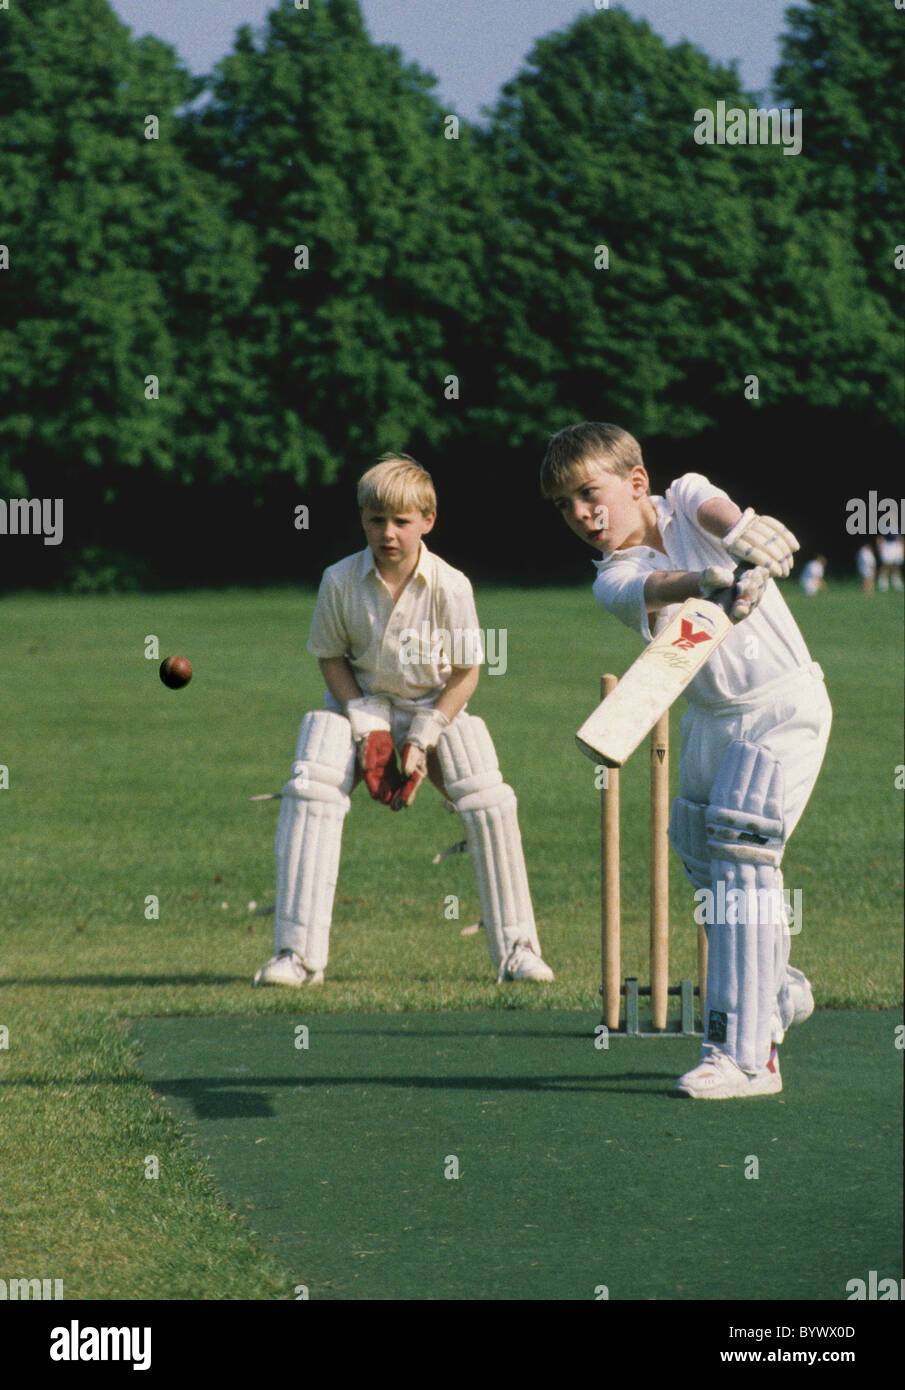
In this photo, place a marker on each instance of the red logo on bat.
(689, 637)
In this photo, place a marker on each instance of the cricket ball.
(175, 671)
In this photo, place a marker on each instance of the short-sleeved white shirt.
(741, 664)
(891, 549)
(409, 648)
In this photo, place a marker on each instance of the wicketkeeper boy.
(390, 695)
(752, 739)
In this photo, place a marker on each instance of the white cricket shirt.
(407, 649)
(763, 648)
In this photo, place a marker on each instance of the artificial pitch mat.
(579, 1176)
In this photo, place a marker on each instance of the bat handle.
(724, 598)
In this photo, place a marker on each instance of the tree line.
(223, 297)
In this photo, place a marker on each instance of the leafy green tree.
(336, 155)
(122, 267)
(843, 65)
(712, 275)
(630, 253)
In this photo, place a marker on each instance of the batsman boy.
(386, 694)
(752, 739)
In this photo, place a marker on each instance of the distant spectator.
(867, 567)
(812, 580)
(891, 550)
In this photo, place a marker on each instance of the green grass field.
(120, 790)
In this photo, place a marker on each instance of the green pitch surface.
(505, 1156)
(130, 854)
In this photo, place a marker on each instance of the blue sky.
(474, 46)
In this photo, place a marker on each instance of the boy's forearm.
(718, 515)
(663, 587)
(458, 691)
(339, 679)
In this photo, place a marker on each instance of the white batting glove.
(714, 578)
(750, 588)
(747, 589)
(762, 540)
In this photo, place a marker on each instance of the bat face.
(654, 682)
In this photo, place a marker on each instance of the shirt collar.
(368, 565)
(664, 521)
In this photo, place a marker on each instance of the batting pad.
(688, 837)
(745, 815)
(315, 802)
(488, 808)
(748, 941)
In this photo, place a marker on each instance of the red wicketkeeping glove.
(414, 771)
(378, 761)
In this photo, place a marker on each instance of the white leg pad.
(745, 815)
(315, 802)
(748, 940)
(488, 808)
(744, 961)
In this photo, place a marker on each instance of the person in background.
(866, 561)
(891, 550)
(812, 576)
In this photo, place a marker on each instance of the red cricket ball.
(175, 671)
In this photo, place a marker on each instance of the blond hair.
(397, 484)
(573, 448)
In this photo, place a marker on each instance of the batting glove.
(762, 540)
(715, 578)
(748, 587)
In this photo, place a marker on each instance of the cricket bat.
(656, 680)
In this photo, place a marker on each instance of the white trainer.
(523, 963)
(718, 1077)
(286, 968)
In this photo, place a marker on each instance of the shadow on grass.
(221, 1098)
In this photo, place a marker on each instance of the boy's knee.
(325, 765)
(468, 761)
